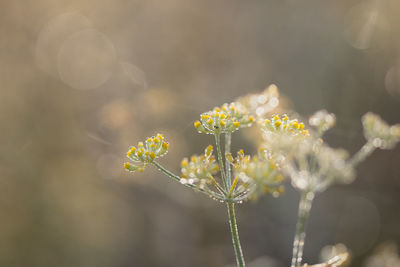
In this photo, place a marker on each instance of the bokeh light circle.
(86, 59)
(51, 37)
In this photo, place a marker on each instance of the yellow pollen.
(197, 124)
(301, 126)
(278, 123)
(209, 149)
(210, 121)
(156, 140)
(276, 117)
(222, 116)
(184, 163)
(222, 122)
(165, 145)
(152, 155)
(127, 165)
(148, 140)
(140, 152)
(229, 157)
(236, 124)
(285, 118)
(296, 125)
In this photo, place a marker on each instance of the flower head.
(258, 173)
(314, 166)
(225, 119)
(260, 104)
(199, 169)
(322, 120)
(379, 132)
(145, 152)
(282, 134)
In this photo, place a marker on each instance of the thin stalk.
(220, 161)
(235, 235)
(303, 214)
(364, 152)
(177, 178)
(230, 205)
(228, 138)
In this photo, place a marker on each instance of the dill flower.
(199, 170)
(225, 119)
(314, 166)
(260, 104)
(257, 175)
(282, 135)
(146, 152)
(379, 132)
(322, 121)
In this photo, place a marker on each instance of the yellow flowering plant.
(289, 149)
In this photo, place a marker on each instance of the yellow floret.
(251, 119)
(222, 122)
(127, 165)
(278, 123)
(229, 157)
(197, 124)
(210, 121)
(160, 136)
(165, 145)
(209, 150)
(276, 117)
(236, 124)
(184, 163)
(152, 155)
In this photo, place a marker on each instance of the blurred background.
(81, 81)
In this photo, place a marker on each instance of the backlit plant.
(289, 149)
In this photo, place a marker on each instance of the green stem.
(228, 138)
(221, 163)
(235, 235)
(177, 178)
(303, 214)
(364, 152)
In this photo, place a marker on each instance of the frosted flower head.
(282, 134)
(322, 120)
(263, 103)
(257, 171)
(225, 119)
(144, 153)
(283, 125)
(199, 169)
(379, 132)
(314, 166)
